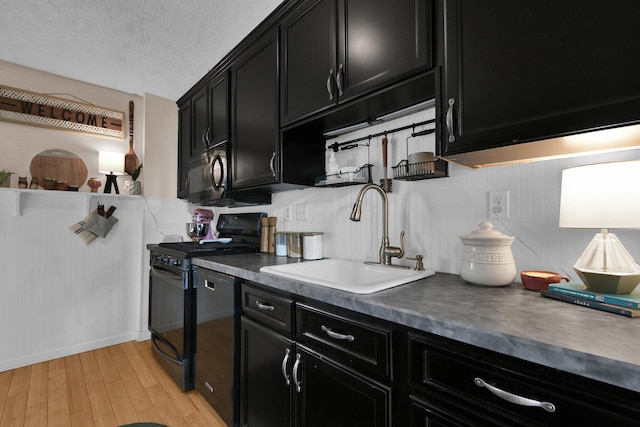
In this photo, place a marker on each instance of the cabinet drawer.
(477, 377)
(354, 343)
(270, 309)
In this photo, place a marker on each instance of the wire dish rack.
(405, 171)
(346, 176)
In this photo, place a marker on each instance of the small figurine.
(94, 183)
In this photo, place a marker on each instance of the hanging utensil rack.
(353, 143)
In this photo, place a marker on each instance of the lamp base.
(606, 266)
(111, 180)
(609, 283)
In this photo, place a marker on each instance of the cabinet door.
(219, 108)
(201, 127)
(184, 148)
(525, 71)
(308, 60)
(336, 396)
(379, 41)
(266, 359)
(256, 130)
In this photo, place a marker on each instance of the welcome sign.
(35, 109)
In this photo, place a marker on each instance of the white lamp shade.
(111, 162)
(603, 195)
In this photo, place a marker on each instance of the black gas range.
(174, 298)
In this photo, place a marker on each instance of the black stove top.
(244, 230)
(210, 248)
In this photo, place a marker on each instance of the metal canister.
(294, 245)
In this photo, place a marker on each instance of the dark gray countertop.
(509, 320)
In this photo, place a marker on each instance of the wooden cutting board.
(60, 165)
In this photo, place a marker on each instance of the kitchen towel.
(94, 225)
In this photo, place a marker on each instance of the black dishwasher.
(217, 341)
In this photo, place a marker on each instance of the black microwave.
(207, 182)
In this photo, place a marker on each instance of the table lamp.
(603, 195)
(112, 164)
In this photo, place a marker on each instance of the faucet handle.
(401, 244)
(419, 265)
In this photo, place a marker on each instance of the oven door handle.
(172, 278)
(175, 360)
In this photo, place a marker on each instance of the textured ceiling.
(160, 47)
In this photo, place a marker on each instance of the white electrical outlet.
(301, 212)
(499, 204)
(287, 213)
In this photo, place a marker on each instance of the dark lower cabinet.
(309, 364)
(265, 393)
(333, 395)
(285, 383)
(465, 385)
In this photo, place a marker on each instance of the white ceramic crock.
(486, 257)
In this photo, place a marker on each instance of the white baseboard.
(6, 365)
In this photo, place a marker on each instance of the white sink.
(347, 275)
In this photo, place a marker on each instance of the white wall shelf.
(91, 199)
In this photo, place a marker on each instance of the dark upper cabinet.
(525, 71)
(201, 127)
(260, 160)
(210, 107)
(256, 130)
(335, 50)
(203, 122)
(184, 148)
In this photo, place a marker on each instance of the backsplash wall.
(435, 212)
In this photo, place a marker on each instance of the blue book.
(629, 312)
(578, 289)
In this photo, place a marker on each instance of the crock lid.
(487, 233)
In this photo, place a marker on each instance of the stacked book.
(577, 293)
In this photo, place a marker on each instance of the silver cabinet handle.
(207, 138)
(339, 80)
(208, 386)
(263, 306)
(452, 137)
(514, 398)
(336, 335)
(285, 360)
(329, 87)
(211, 287)
(296, 366)
(203, 138)
(273, 157)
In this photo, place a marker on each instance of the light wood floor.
(117, 385)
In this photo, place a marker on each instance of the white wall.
(59, 296)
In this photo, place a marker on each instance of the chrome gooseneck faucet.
(386, 250)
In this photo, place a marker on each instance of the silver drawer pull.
(263, 306)
(336, 335)
(514, 398)
(208, 386)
